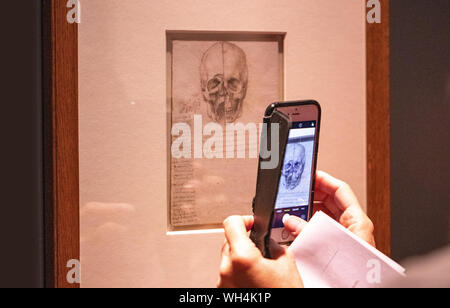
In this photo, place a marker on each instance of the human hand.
(339, 202)
(243, 266)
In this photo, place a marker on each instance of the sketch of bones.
(224, 78)
(294, 164)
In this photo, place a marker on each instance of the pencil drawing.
(224, 79)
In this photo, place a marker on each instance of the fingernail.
(286, 216)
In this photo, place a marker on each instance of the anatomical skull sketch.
(294, 164)
(216, 83)
(224, 79)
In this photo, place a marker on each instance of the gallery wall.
(123, 122)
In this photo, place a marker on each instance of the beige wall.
(123, 157)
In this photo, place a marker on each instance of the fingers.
(248, 221)
(321, 207)
(225, 249)
(225, 263)
(339, 199)
(236, 228)
(293, 224)
(328, 187)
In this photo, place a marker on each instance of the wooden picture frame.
(61, 180)
(60, 63)
(378, 129)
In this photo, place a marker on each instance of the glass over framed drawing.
(218, 87)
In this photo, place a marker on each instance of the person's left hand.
(243, 265)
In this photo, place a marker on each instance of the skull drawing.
(294, 164)
(224, 78)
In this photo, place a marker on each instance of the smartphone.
(295, 194)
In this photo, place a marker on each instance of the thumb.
(293, 224)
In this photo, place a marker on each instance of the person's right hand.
(339, 202)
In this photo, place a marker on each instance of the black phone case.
(269, 180)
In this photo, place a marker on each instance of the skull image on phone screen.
(294, 164)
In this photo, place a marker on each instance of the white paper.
(330, 256)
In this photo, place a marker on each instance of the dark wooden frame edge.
(378, 128)
(61, 169)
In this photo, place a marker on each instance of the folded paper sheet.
(330, 256)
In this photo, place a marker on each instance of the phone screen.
(296, 179)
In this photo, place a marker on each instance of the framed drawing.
(219, 84)
(110, 115)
